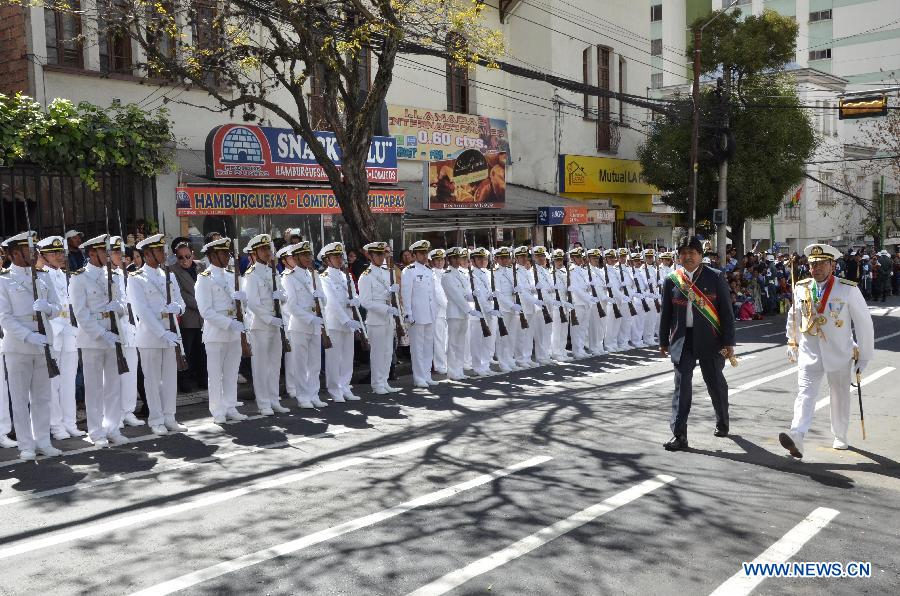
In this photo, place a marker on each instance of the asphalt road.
(546, 481)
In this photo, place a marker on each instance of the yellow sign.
(602, 175)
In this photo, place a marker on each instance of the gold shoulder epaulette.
(76, 272)
(324, 273)
(806, 281)
(847, 282)
(410, 266)
(288, 271)
(136, 272)
(229, 269)
(366, 272)
(207, 273)
(250, 268)
(4, 271)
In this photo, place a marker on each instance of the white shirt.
(689, 315)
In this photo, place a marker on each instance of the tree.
(252, 54)
(767, 137)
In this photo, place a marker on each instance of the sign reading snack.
(602, 175)
(253, 152)
(431, 135)
(471, 181)
(271, 200)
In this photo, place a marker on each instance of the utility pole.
(724, 141)
(695, 130)
(881, 213)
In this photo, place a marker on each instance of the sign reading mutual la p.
(250, 152)
(602, 175)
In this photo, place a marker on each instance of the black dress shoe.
(676, 443)
(721, 431)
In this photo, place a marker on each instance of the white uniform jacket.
(337, 303)
(300, 305)
(456, 287)
(147, 294)
(17, 316)
(375, 295)
(257, 284)
(482, 279)
(63, 331)
(580, 286)
(89, 294)
(213, 292)
(504, 284)
(528, 297)
(418, 291)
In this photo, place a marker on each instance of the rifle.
(637, 285)
(616, 312)
(72, 320)
(523, 320)
(398, 324)
(501, 324)
(246, 350)
(180, 360)
(548, 318)
(631, 308)
(124, 271)
(562, 310)
(121, 363)
(360, 333)
(485, 330)
(574, 317)
(52, 366)
(590, 272)
(326, 341)
(656, 267)
(276, 303)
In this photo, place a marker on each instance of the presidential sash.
(696, 297)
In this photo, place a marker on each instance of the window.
(158, 35)
(603, 122)
(204, 17)
(586, 70)
(656, 80)
(113, 37)
(656, 47)
(457, 80)
(826, 195)
(622, 87)
(655, 13)
(820, 54)
(63, 32)
(820, 15)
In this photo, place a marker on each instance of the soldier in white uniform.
(610, 275)
(286, 259)
(629, 293)
(481, 348)
(460, 306)
(93, 306)
(544, 286)
(531, 307)
(597, 326)
(216, 297)
(128, 389)
(827, 312)
(339, 321)
(62, 387)
(437, 260)
(654, 282)
(418, 292)
(153, 338)
(560, 329)
(375, 291)
(305, 325)
(582, 299)
(503, 282)
(265, 326)
(23, 347)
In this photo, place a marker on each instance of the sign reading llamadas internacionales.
(602, 175)
(249, 200)
(432, 135)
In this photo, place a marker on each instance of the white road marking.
(214, 498)
(884, 337)
(191, 579)
(667, 378)
(178, 465)
(773, 334)
(761, 381)
(741, 328)
(873, 377)
(524, 546)
(786, 547)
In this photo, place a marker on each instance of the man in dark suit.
(186, 272)
(696, 324)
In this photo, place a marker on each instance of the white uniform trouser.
(480, 346)
(457, 338)
(160, 383)
(381, 348)
(638, 323)
(128, 382)
(580, 331)
(440, 344)
(62, 393)
(506, 346)
(626, 326)
(421, 350)
(490, 343)
(5, 420)
(290, 371)
(542, 334)
(596, 330)
(558, 332)
(102, 400)
(613, 325)
(810, 380)
(265, 363)
(29, 390)
(525, 341)
(651, 322)
(339, 363)
(222, 362)
(306, 362)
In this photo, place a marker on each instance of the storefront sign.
(471, 181)
(254, 152)
(429, 135)
(249, 200)
(602, 175)
(556, 216)
(601, 216)
(637, 219)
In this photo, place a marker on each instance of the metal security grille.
(46, 194)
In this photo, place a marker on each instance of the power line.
(853, 159)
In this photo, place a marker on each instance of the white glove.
(279, 295)
(539, 303)
(318, 321)
(520, 289)
(476, 314)
(352, 325)
(37, 339)
(70, 331)
(318, 294)
(595, 299)
(41, 305)
(495, 313)
(552, 303)
(469, 297)
(110, 338)
(236, 326)
(113, 307)
(409, 320)
(569, 305)
(354, 302)
(493, 295)
(239, 295)
(170, 337)
(172, 308)
(394, 288)
(393, 312)
(862, 365)
(275, 322)
(792, 353)
(517, 308)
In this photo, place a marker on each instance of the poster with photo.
(471, 181)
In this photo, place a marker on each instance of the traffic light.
(862, 107)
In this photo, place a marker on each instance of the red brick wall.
(13, 64)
